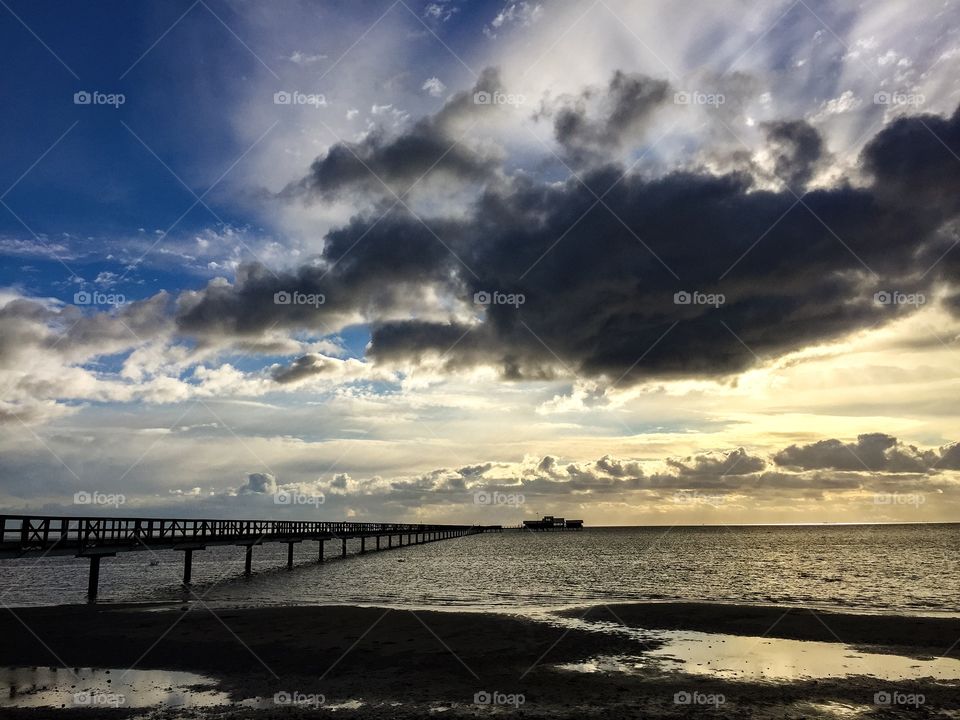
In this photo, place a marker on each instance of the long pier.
(94, 538)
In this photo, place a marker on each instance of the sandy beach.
(374, 662)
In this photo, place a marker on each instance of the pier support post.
(389, 541)
(363, 545)
(343, 549)
(378, 542)
(248, 563)
(290, 556)
(94, 580)
(320, 559)
(187, 551)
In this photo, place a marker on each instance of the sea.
(875, 568)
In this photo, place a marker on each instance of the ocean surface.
(912, 568)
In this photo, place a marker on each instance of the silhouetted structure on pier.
(549, 522)
(95, 538)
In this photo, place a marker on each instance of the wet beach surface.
(634, 660)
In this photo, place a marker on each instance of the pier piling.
(94, 580)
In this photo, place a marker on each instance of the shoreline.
(438, 658)
(538, 612)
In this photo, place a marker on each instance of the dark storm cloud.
(302, 367)
(613, 467)
(625, 106)
(914, 162)
(871, 452)
(258, 484)
(371, 268)
(429, 145)
(797, 149)
(475, 471)
(736, 462)
(599, 301)
(600, 281)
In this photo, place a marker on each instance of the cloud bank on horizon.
(509, 238)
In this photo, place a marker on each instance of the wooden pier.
(94, 538)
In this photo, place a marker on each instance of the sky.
(650, 262)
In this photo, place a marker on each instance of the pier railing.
(29, 534)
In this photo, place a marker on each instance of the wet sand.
(401, 664)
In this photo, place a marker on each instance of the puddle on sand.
(118, 688)
(90, 687)
(737, 657)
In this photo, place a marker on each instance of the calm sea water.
(873, 567)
